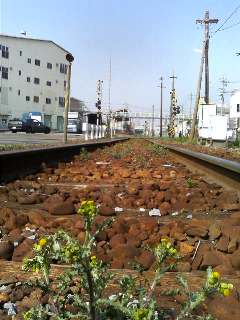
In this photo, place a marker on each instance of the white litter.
(11, 307)
(189, 216)
(32, 237)
(155, 212)
(15, 243)
(102, 162)
(142, 209)
(29, 229)
(120, 195)
(175, 213)
(118, 209)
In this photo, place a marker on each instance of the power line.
(231, 26)
(228, 18)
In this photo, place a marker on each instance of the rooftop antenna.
(23, 33)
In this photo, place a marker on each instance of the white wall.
(46, 52)
(234, 101)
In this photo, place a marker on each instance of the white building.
(32, 78)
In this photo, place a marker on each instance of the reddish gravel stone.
(23, 250)
(6, 249)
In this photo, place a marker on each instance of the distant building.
(77, 105)
(32, 79)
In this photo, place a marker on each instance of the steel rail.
(224, 163)
(17, 164)
(221, 171)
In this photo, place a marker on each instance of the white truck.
(74, 122)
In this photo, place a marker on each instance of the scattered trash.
(175, 213)
(188, 194)
(199, 241)
(32, 237)
(155, 212)
(15, 243)
(102, 162)
(142, 210)
(3, 288)
(120, 195)
(189, 216)
(29, 229)
(11, 307)
(118, 209)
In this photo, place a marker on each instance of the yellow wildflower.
(42, 242)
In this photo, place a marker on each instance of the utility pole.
(191, 101)
(70, 59)
(153, 118)
(110, 85)
(206, 21)
(171, 131)
(161, 106)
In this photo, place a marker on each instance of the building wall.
(235, 104)
(16, 88)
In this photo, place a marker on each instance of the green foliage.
(212, 285)
(84, 154)
(191, 183)
(82, 285)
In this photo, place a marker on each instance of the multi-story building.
(32, 79)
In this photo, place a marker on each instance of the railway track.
(221, 171)
(17, 164)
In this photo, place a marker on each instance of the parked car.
(31, 126)
(15, 123)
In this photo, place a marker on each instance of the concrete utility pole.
(205, 49)
(161, 106)
(153, 118)
(191, 101)
(70, 59)
(206, 21)
(199, 83)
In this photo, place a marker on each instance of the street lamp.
(70, 59)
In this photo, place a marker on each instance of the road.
(36, 138)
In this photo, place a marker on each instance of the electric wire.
(228, 18)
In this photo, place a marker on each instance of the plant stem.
(91, 292)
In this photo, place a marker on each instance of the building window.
(19, 92)
(37, 62)
(57, 65)
(36, 99)
(49, 83)
(63, 68)
(36, 80)
(27, 98)
(56, 81)
(49, 65)
(20, 52)
(238, 107)
(4, 73)
(19, 72)
(5, 52)
(61, 101)
(48, 101)
(28, 79)
(29, 60)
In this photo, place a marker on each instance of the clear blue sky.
(145, 39)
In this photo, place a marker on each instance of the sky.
(145, 39)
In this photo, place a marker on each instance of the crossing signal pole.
(173, 108)
(99, 104)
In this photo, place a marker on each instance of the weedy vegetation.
(191, 183)
(80, 291)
